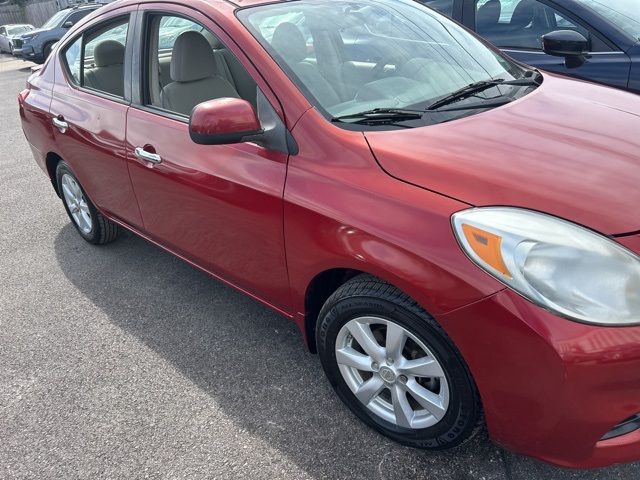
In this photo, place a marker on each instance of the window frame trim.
(113, 17)
(141, 85)
(165, 7)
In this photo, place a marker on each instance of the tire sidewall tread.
(104, 230)
(366, 293)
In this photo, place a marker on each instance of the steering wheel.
(378, 69)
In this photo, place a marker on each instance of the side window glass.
(96, 60)
(72, 58)
(188, 65)
(443, 6)
(520, 23)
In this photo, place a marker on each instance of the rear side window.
(96, 59)
(72, 57)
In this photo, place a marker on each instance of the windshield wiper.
(382, 115)
(478, 87)
(488, 103)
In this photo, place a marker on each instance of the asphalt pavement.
(124, 362)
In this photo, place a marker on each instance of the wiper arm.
(478, 87)
(382, 115)
(489, 103)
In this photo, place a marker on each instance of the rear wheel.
(90, 224)
(395, 367)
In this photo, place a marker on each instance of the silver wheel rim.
(392, 373)
(77, 204)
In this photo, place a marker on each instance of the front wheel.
(395, 367)
(94, 227)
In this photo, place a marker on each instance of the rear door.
(517, 27)
(218, 206)
(89, 112)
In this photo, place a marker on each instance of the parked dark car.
(36, 45)
(9, 32)
(588, 39)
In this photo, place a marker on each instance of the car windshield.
(350, 56)
(55, 20)
(18, 29)
(623, 13)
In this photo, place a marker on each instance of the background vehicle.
(587, 39)
(37, 44)
(8, 33)
(339, 160)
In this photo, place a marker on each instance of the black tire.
(366, 295)
(103, 230)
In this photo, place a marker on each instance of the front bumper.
(26, 51)
(551, 388)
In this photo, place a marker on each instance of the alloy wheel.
(392, 372)
(77, 204)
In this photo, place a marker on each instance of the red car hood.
(570, 148)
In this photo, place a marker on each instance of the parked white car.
(8, 32)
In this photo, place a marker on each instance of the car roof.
(249, 3)
(86, 6)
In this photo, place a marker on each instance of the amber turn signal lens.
(487, 246)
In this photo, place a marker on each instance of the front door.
(517, 27)
(220, 207)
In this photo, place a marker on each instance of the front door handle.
(60, 124)
(142, 154)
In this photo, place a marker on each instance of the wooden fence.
(35, 12)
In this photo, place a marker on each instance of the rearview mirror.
(571, 45)
(68, 24)
(224, 121)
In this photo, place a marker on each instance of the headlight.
(563, 267)
(28, 39)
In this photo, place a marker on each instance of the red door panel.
(34, 110)
(94, 146)
(218, 206)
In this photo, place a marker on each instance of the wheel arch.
(318, 291)
(52, 160)
(326, 282)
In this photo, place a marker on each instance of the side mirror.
(68, 24)
(571, 45)
(224, 121)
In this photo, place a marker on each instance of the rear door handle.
(60, 124)
(142, 154)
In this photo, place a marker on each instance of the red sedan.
(453, 232)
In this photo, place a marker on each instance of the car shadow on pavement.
(253, 363)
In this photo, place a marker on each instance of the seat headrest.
(108, 53)
(524, 14)
(488, 15)
(289, 42)
(192, 59)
